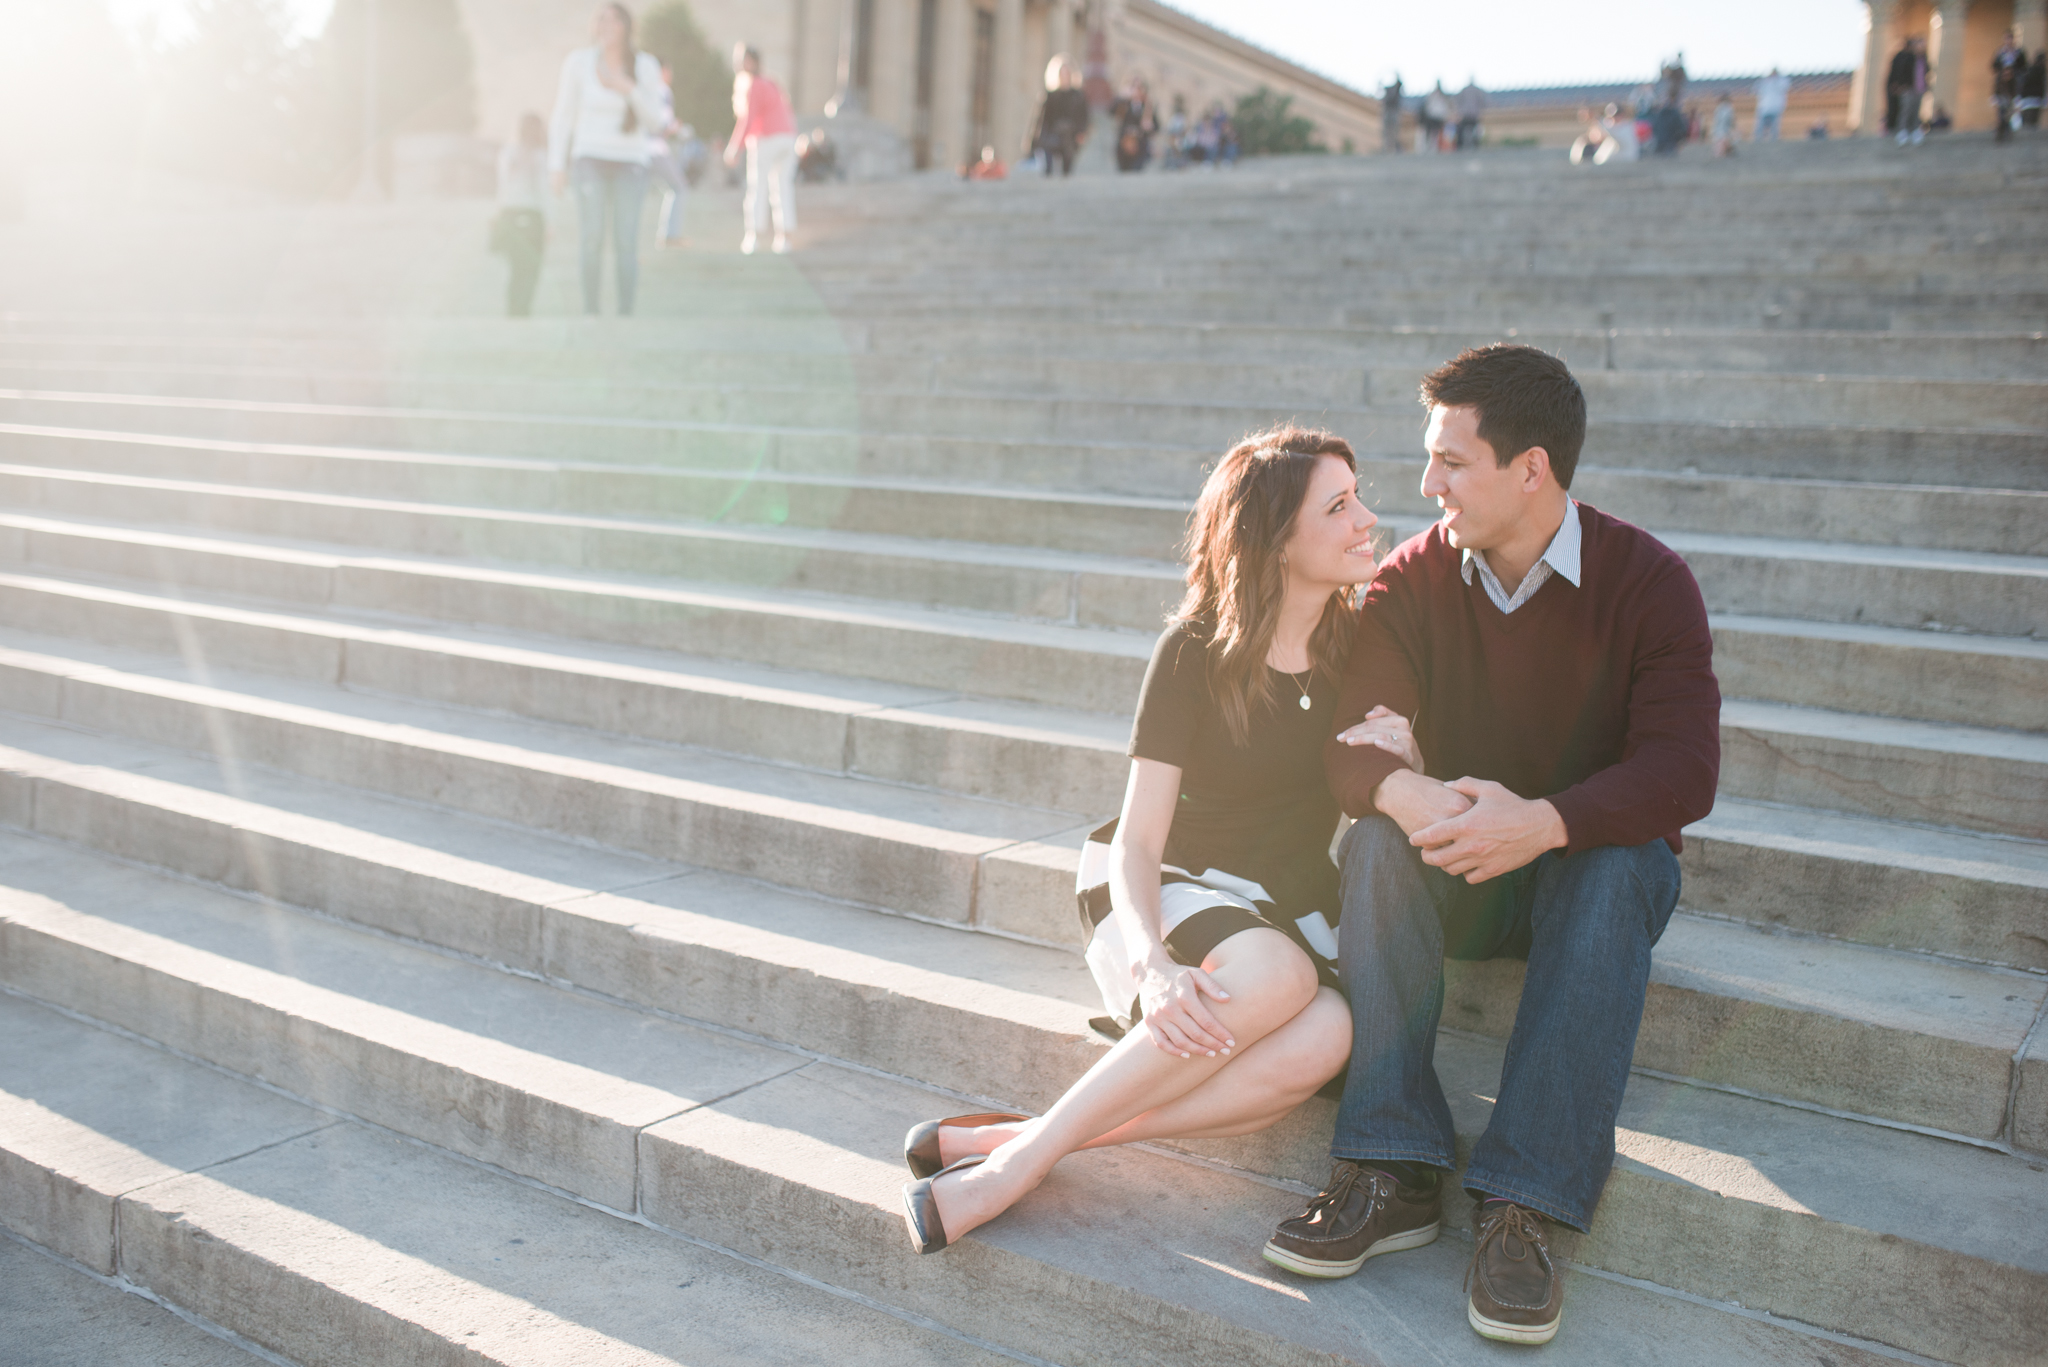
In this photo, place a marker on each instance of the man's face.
(1481, 501)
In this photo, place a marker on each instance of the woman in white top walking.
(608, 103)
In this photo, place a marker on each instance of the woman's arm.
(1170, 993)
(562, 127)
(649, 96)
(743, 117)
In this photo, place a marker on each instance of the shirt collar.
(1562, 554)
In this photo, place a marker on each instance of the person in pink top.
(765, 129)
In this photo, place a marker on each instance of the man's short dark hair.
(1524, 398)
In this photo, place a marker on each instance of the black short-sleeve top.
(1261, 810)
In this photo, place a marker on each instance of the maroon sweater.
(1601, 698)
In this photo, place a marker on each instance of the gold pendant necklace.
(1300, 688)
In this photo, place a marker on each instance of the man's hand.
(1499, 834)
(1415, 801)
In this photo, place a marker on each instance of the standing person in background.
(1390, 115)
(2008, 65)
(1436, 112)
(609, 97)
(1136, 122)
(1724, 125)
(521, 228)
(1471, 108)
(1905, 83)
(668, 152)
(766, 132)
(1063, 118)
(1771, 94)
(1671, 83)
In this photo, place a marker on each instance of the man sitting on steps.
(1558, 670)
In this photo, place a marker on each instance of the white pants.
(771, 178)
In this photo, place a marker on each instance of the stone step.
(1940, 516)
(57, 1316)
(1015, 580)
(337, 537)
(660, 347)
(1735, 300)
(865, 850)
(700, 386)
(339, 1243)
(1958, 774)
(345, 1235)
(1153, 462)
(1148, 466)
(1877, 882)
(793, 1161)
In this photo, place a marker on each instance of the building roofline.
(1546, 94)
(1273, 61)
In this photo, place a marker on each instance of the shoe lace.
(1507, 1222)
(1344, 1179)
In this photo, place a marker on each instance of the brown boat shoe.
(1360, 1214)
(1517, 1294)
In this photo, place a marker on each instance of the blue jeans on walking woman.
(609, 190)
(1585, 923)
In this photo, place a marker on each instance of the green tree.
(1265, 128)
(702, 76)
(228, 101)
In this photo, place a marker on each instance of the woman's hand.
(1389, 731)
(1176, 1017)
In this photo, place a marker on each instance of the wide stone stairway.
(502, 826)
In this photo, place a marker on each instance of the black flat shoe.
(921, 1208)
(921, 1145)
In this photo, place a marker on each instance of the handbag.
(1181, 895)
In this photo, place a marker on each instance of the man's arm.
(1671, 761)
(1380, 671)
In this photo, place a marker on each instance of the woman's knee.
(1264, 967)
(1318, 1043)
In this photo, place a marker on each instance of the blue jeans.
(675, 205)
(614, 190)
(1585, 923)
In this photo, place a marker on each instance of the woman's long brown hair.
(1236, 580)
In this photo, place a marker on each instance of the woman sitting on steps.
(1220, 889)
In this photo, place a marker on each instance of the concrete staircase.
(504, 826)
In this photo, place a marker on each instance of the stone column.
(953, 85)
(2030, 17)
(892, 80)
(1866, 91)
(845, 99)
(1059, 30)
(1945, 45)
(1006, 104)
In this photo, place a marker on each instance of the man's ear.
(1534, 465)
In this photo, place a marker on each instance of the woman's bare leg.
(1270, 981)
(1259, 1086)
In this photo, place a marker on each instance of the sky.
(1506, 43)
(1501, 42)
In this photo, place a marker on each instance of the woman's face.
(1331, 545)
(607, 28)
